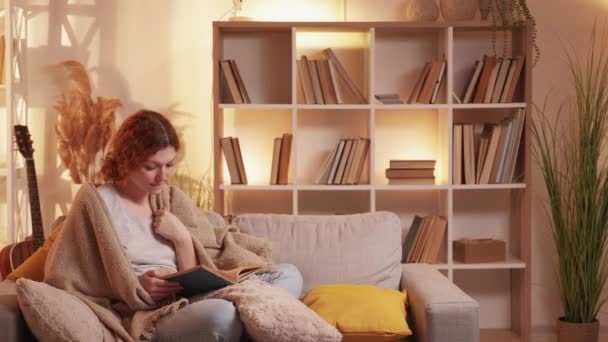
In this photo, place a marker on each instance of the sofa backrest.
(355, 249)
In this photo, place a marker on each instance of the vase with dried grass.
(84, 125)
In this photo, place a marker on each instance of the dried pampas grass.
(84, 126)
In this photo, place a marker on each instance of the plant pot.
(580, 332)
(420, 10)
(458, 10)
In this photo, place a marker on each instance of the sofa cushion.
(50, 321)
(361, 312)
(355, 249)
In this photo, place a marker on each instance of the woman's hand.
(169, 226)
(158, 288)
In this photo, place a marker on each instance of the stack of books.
(232, 83)
(281, 154)
(344, 165)
(428, 83)
(423, 240)
(493, 80)
(319, 80)
(234, 160)
(487, 154)
(411, 172)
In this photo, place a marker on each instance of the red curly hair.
(140, 136)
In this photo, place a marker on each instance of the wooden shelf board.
(411, 106)
(489, 105)
(334, 187)
(499, 335)
(255, 106)
(255, 187)
(401, 187)
(337, 106)
(489, 186)
(511, 263)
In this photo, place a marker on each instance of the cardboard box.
(471, 251)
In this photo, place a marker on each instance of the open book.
(201, 278)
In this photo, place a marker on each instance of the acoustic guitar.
(15, 254)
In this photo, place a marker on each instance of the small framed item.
(470, 251)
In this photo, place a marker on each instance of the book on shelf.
(471, 85)
(517, 67)
(411, 181)
(233, 82)
(409, 238)
(333, 73)
(489, 62)
(489, 157)
(231, 161)
(439, 82)
(344, 164)
(276, 153)
(411, 164)
(351, 85)
(409, 173)
(327, 86)
(388, 98)
(423, 240)
(2, 59)
(316, 82)
(457, 154)
(492, 81)
(239, 160)
(431, 81)
(419, 82)
(284, 158)
(239, 81)
(201, 279)
(306, 81)
(501, 80)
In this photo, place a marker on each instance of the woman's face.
(153, 173)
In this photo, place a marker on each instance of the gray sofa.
(359, 249)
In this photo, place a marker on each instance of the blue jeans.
(216, 319)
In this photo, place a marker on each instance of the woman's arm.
(170, 227)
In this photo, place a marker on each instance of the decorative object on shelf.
(238, 7)
(420, 10)
(510, 12)
(471, 251)
(576, 179)
(458, 10)
(84, 126)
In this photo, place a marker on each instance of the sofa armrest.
(441, 311)
(12, 325)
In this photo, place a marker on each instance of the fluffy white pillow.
(272, 314)
(55, 315)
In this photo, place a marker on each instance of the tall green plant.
(576, 179)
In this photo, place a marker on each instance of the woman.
(141, 159)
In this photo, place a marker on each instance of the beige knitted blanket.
(87, 260)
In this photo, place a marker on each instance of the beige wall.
(157, 54)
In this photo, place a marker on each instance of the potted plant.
(570, 151)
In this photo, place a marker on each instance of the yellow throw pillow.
(361, 312)
(33, 267)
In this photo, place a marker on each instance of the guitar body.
(15, 254)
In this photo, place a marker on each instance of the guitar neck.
(32, 185)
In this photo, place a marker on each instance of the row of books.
(423, 240)
(411, 172)
(234, 160)
(344, 165)
(320, 80)
(428, 83)
(493, 80)
(489, 156)
(281, 154)
(233, 84)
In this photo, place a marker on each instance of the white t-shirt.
(146, 249)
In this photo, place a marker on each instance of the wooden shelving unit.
(381, 57)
